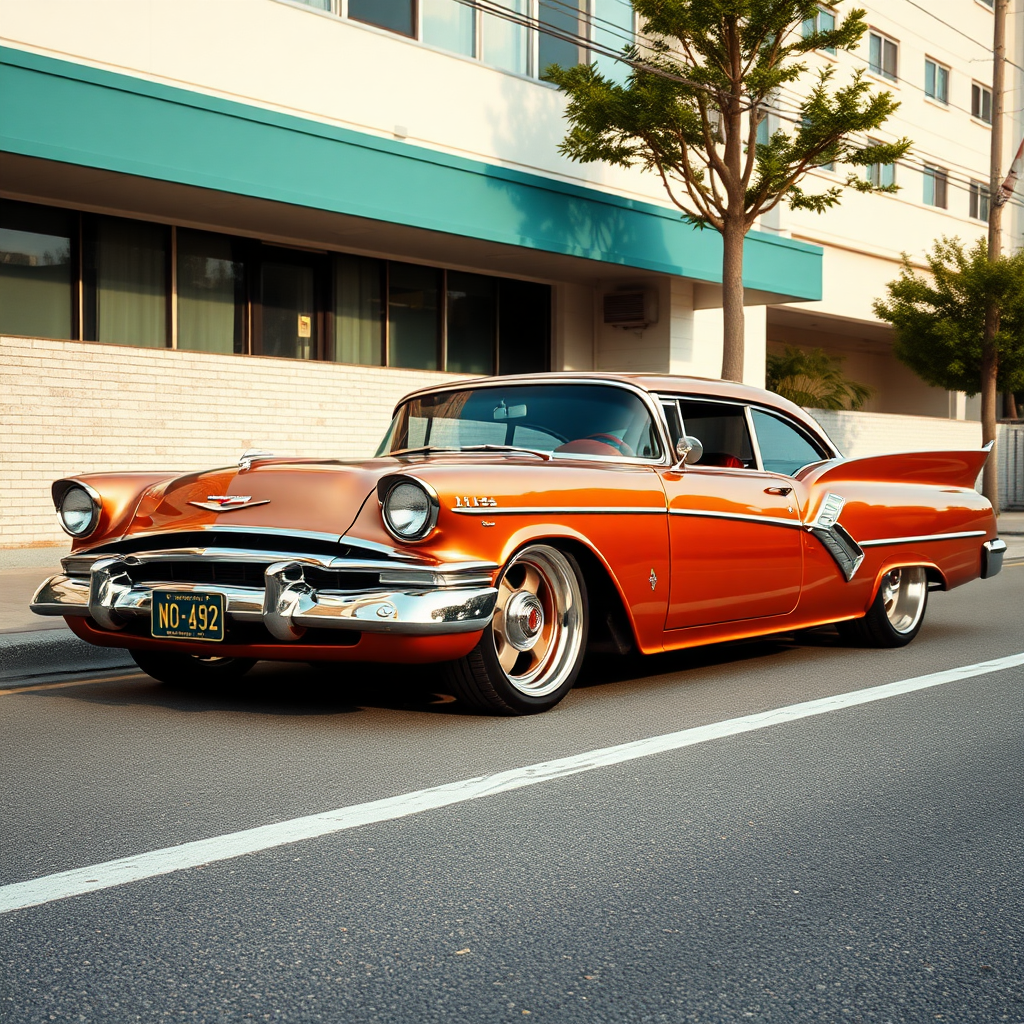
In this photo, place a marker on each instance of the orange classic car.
(507, 525)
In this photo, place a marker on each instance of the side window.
(722, 430)
(784, 449)
(675, 428)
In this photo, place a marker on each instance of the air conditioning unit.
(631, 309)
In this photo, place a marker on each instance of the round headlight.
(408, 511)
(78, 511)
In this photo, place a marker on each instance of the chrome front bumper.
(411, 600)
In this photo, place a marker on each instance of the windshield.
(581, 420)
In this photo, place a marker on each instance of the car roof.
(655, 383)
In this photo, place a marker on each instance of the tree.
(940, 325)
(700, 87)
(814, 379)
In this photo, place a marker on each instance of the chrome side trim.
(842, 547)
(992, 552)
(793, 524)
(573, 510)
(882, 542)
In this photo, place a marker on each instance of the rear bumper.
(992, 552)
(421, 602)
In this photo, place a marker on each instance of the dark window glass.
(126, 276)
(211, 293)
(288, 307)
(36, 271)
(472, 322)
(414, 329)
(722, 431)
(358, 310)
(395, 15)
(784, 448)
(524, 327)
(564, 17)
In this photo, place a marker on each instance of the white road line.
(60, 886)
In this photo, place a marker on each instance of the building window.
(394, 15)
(981, 102)
(883, 56)
(359, 287)
(565, 17)
(612, 28)
(38, 270)
(414, 316)
(880, 175)
(524, 326)
(471, 322)
(505, 39)
(211, 292)
(822, 21)
(763, 136)
(936, 81)
(126, 282)
(935, 180)
(449, 26)
(979, 201)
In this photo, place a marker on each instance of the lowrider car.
(506, 525)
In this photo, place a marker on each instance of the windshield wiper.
(427, 448)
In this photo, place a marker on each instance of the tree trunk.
(1009, 405)
(732, 299)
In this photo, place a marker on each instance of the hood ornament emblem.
(251, 455)
(228, 502)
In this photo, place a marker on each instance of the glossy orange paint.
(696, 556)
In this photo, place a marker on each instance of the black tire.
(896, 614)
(530, 653)
(192, 670)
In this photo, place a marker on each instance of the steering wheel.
(616, 442)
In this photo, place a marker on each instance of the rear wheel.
(192, 670)
(531, 652)
(896, 614)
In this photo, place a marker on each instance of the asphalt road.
(862, 864)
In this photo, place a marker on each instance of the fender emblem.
(462, 502)
(228, 502)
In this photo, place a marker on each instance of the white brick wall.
(857, 434)
(75, 407)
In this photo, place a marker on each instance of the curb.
(25, 657)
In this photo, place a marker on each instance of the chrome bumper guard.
(992, 552)
(412, 600)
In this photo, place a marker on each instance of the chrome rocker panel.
(412, 600)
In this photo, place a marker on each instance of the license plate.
(187, 615)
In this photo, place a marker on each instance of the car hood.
(315, 496)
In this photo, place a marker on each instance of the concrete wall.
(71, 407)
(857, 434)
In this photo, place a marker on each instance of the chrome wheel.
(536, 627)
(903, 596)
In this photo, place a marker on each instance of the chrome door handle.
(778, 490)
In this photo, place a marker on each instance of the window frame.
(978, 197)
(875, 173)
(940, 183)
(937, 67)
(815, 23)
(979, 92)
(883, 39)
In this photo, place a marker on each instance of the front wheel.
(192, 670)
(896, 614)
(531, 652)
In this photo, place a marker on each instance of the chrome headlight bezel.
(387, 488)
(61, 490)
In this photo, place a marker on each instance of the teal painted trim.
(72, 113)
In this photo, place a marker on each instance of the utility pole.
(989, 356)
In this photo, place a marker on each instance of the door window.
(784, 448)
(722, 430)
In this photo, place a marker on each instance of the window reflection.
(505, 41)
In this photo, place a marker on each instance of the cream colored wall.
(573, 341)
(76, 407)
(857, 434)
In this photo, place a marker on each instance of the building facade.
(235, 223)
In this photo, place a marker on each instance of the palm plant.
(814, 380)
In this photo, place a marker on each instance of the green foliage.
(814, 379)
(940, 320)
(697, 93)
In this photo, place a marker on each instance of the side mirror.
(689, 449)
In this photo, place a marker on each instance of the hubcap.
(903, 597)
(537, 624)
